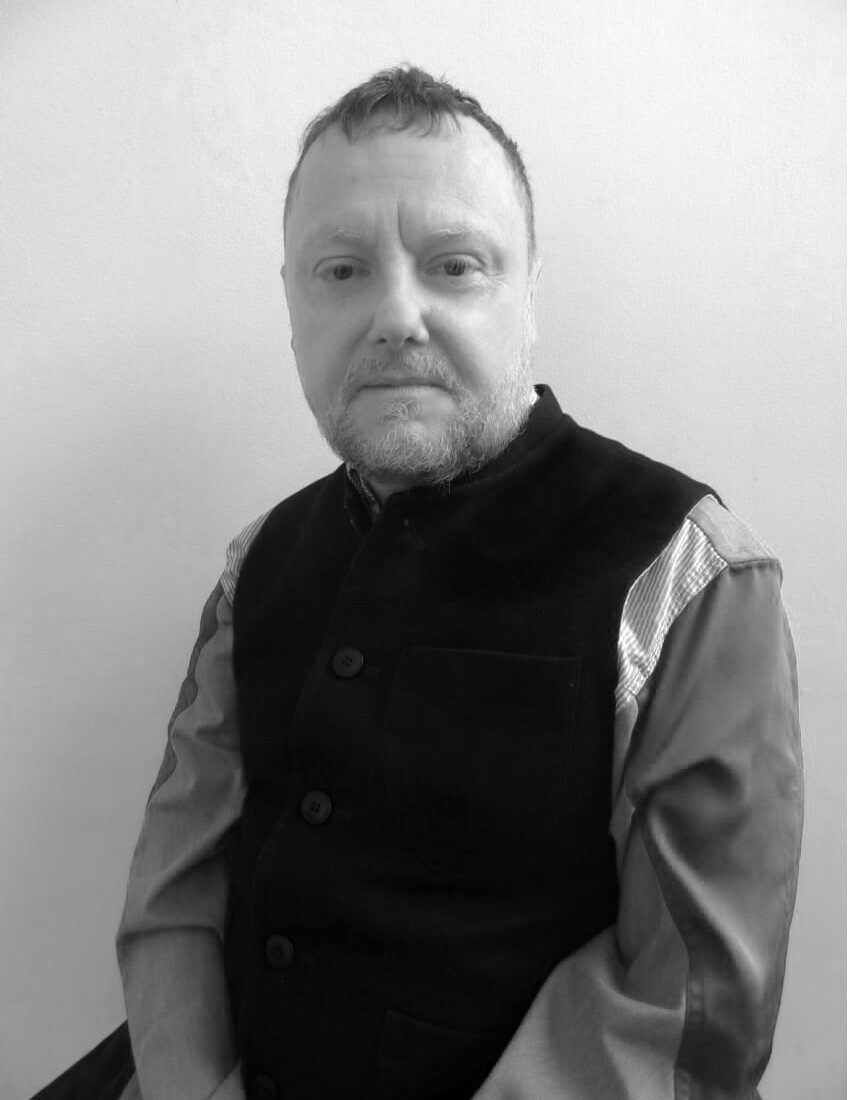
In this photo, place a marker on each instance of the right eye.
(340, 271)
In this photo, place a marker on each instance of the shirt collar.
(364, 490)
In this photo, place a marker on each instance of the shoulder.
(729, 537)
(711, 542)
(617, 466)
(636, 503)
(286, 514)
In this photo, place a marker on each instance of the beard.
(480, 427)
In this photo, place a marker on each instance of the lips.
(383, 381)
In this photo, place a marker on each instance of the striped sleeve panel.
(688, 563)
(236, 552)
(657, 597)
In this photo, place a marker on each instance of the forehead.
(455, 173)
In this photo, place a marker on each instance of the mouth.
(401, 382)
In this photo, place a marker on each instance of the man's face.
(409, 292)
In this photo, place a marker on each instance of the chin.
(392, 433)
(402, 417)
(405, 447)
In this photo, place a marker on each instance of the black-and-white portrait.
(422, 541)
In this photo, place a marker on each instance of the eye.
(340, 271)
(456, 266)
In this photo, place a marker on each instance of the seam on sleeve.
(189, 688)
(733, 540)
(236, 552)
(694, 1000)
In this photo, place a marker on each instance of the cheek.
(320, 323)
(483, 345)
(322, 355)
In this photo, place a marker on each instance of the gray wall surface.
(688, 162)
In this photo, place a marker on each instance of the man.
(485, 777)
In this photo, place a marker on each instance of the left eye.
(456, 265)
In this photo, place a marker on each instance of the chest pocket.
(476, 755)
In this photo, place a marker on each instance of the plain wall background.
(688, 162)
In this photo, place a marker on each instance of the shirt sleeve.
(170, 937)
(679, 999)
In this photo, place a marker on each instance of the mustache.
(424, 367)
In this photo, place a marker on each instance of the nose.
(399, 314)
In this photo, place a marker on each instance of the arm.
(170, 937)
(679, 999)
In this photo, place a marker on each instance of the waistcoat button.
(347, 662)
(264, 1088)
(279, 952)
(316, 807)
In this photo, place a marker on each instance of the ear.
(286, 296)
(533, 279)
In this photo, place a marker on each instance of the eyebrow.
(335, 234)
(457, 231)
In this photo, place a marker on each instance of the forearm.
(170, 938)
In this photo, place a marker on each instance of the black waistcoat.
(426, 709)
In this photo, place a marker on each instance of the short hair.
(404, 97)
